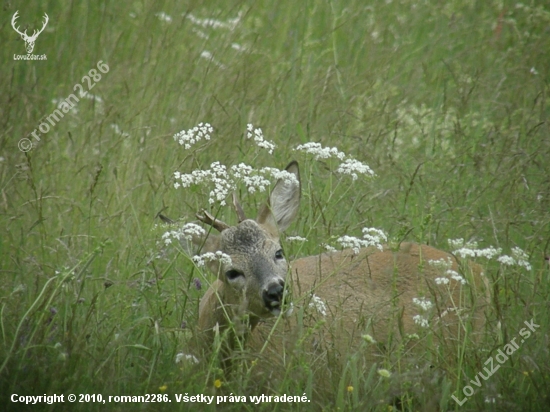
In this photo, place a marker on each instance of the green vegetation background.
(448, 102)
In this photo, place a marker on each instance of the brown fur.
(370, 292)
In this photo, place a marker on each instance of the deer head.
(252, 285)
(29, 40)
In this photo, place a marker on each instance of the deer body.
(338, 297)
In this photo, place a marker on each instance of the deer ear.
(284, 202)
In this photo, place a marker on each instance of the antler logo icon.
(29, 40)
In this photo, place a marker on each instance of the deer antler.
(13, 19)
(46, 20)
(240, 213)
(207, 218)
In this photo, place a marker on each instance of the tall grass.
(446, 101)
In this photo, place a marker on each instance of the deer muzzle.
(273, 297)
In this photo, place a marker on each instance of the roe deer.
(338, 297)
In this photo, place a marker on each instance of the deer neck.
(218, 313)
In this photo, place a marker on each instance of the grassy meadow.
(447, 101)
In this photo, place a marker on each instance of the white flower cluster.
(162, 16)
(488, 253)
(217, 174)
(352, 167)
(456, 244)
(329, 248)
(445, 266)
(351, 242)
(185, 232)
(441, 264)
(225, 181)
(349, 166)
(250, 177)
(287, 177)
(259, 138)
(188, 138)
(201, 260)
(318, 304)
(296, 239)
(320, 152)
(456, 276)
(470, 250)
(421, 320)
(519, 257)
(442, 281)
(375, 236)
(184, 356)
(424, 303)
(213, 23)
(371, 237)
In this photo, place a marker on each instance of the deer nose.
(273, 295)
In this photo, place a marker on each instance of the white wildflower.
(318, 304)
(442, 281)
(217, 174)
(349, 165)
(328, 247)
(350, 242)
(185, 232)
(225, 181)
(424, 303)
(190, 229)
(371, 237)
(255, 179)
(167, 237)
(455, 244)
(188, 138)
(201, 260)
(519, 254)
(506, 260)
(374, 237)
(184, 356)
(118, 131)
(259, 138)
(238, 47)
(287, 177)
(241, 170)
(421, 320)
(352, 167)
(521, 257)
(441, 264)
(488, 253)
(456, 276)
(205, 54)
(230, 24)
(320, 152)
(162, 16)
(296, 239)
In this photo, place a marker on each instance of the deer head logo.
(29, 40)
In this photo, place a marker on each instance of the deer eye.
(279, 254)
(233, 274)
